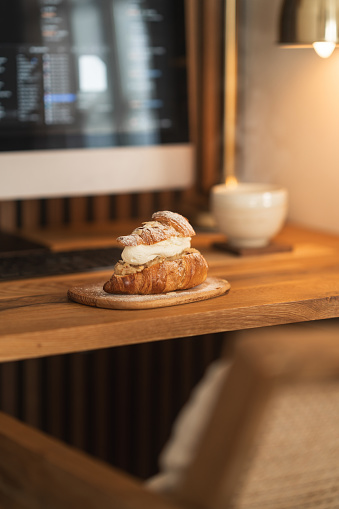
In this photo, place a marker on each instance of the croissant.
(166, 224)
(161, 273)
(186, 271)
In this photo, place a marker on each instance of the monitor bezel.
(60, 173)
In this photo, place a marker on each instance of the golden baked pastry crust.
(165, 224)
(186, 271)
(176, 221)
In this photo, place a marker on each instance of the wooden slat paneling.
(118, 405)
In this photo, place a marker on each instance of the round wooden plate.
(94, 295)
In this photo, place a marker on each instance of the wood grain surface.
(39, 471)
(94, 295)
(37, 319)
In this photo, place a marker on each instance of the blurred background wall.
(289, 117)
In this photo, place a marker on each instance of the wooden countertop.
(36, 318)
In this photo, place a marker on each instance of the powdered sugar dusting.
(165, 224)
(177, 221)
(149, 233)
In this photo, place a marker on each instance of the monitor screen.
(93, 97)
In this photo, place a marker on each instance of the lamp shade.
(305, 22)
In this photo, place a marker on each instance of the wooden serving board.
(94, 295)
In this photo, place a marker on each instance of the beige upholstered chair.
(272, 440)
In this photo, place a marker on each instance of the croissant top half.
(165, 224)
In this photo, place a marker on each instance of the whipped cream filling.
(138, 255)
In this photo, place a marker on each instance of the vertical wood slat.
(9, 387)
(56, 409)
(211, 134)
(166, 200)
(78, 209)
(101, 208)
(121, 415)
(194, 72)
(192, 38)
(143, 430)
(8, 215)
(145, 205)
(32, 411)
(186, 368)
(164, 395)
(55, 212)
(78, 401)
(102, 404)
(124, 206)
(30, 213)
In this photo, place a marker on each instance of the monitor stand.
(14, 245)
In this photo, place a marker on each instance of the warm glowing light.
(324, 49)
(231, 181)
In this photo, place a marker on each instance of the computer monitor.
(93, 97)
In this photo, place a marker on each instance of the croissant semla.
(187, 270)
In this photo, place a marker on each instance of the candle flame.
(231, 181)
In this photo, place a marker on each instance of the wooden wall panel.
(116, 404)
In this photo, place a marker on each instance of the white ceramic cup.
(249, 214)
